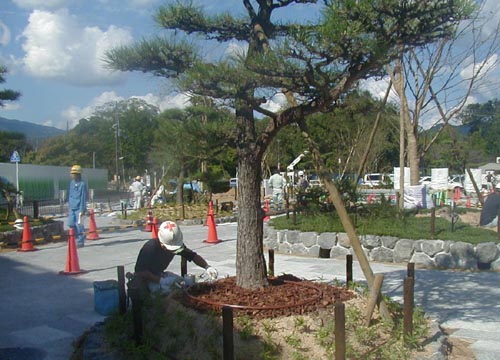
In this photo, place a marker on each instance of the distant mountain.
(461, 129)
(33, 132)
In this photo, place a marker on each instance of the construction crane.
(289, 168)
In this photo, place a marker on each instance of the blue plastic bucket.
(106, 297)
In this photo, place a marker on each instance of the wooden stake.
(340, 331)
(374, 298)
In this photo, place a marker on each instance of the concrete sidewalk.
(43, 312)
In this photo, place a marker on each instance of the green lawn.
(388, 223)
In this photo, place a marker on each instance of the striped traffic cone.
(27, 240)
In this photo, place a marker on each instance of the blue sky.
(53, 51)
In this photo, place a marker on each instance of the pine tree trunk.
(251, 270)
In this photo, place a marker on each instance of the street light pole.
(116, 126)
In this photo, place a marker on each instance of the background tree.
(6, 94)
(10, 141)
(192, 143)
(440, 78)
(483, 122)
(123, 150)
(314, 65)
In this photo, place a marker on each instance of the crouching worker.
(156, 255)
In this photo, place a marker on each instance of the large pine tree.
(314, 65)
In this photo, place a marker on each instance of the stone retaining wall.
(438, 254)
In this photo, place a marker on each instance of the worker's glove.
(80, 218)
(166, 281)
(212, 273)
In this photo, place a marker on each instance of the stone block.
(281, 236)
(486, 252)
(343, 240)
(431, 247)
(292, 237)
(313, 251)
(495, 265)
(423, 259)
(370, 241)
(271, 243)
(382, 254)
(403, 250)
(389, 241)
(444, 261)
(339, 252)
(327, 240)
(463, 255)
(299, 249)
(285, 248)
(308, 238)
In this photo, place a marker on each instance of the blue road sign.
(15, 157)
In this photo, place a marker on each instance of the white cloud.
(58, 47)
(4, 34)
(178, 101)
(378, 87)
(275, 103)
(487, 65)
(73, 114)
(11, 106)
(41, 4)
(237, 49)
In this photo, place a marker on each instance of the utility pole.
(116, 126)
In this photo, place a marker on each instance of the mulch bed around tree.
(286, 295)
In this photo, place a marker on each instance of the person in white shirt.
(137, 188)
(277, 182)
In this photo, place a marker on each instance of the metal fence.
(57, 207)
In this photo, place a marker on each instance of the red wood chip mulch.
(286, 295)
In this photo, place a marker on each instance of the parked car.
(456, 181)
(376, 180)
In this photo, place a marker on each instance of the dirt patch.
(294, 320)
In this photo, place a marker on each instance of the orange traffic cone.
(154, 231)
(149, 221)
(212, 231)
(266, 211)
(27, 240)
(72, 264)
(467, 205)
(92, 235)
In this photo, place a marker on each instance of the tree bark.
(251, 270)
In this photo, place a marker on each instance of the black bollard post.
(122, 297)
(410, 270)
(433, 222)
(348, 269)
(271, 262)
(36, 209)
(183, 266)
(227, 333)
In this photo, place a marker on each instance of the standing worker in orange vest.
(77, 204)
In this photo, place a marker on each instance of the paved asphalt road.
(43, 312)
